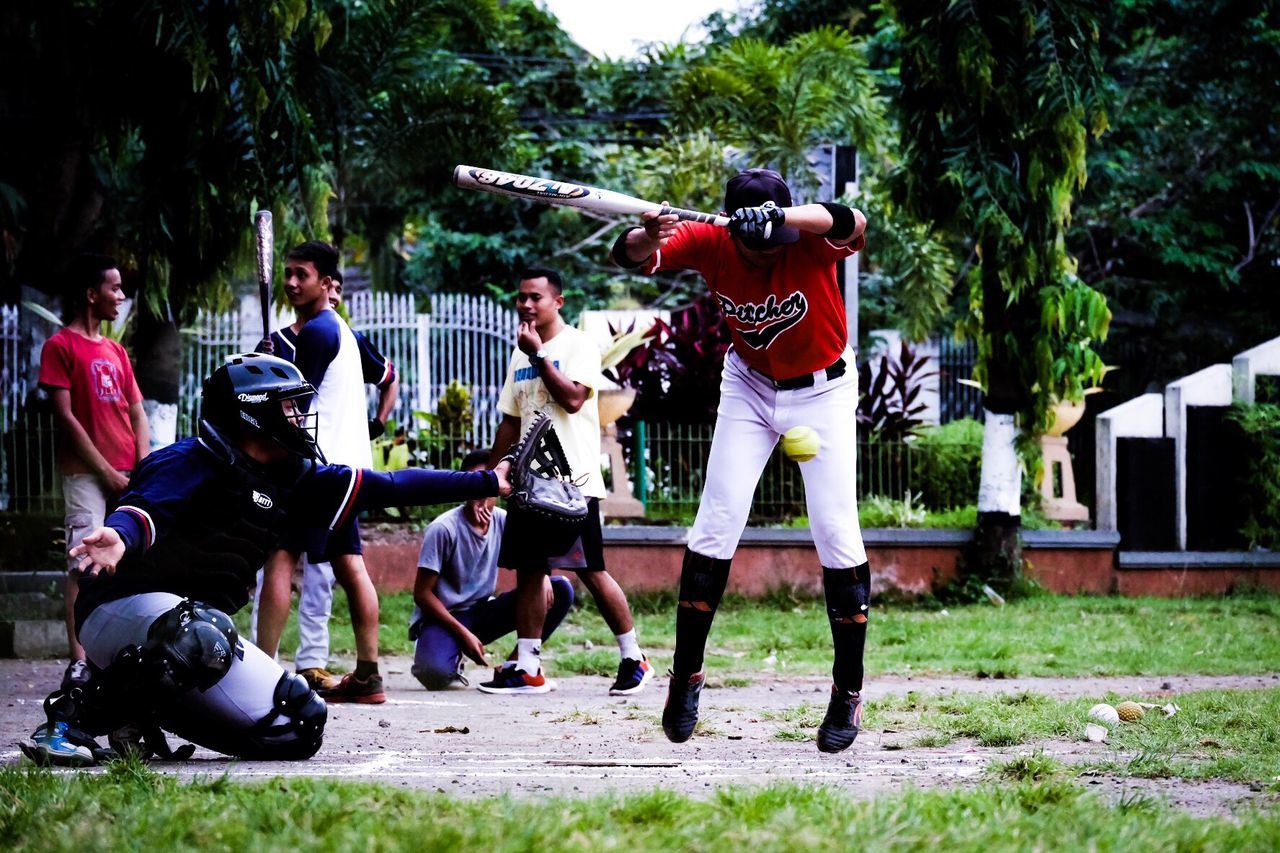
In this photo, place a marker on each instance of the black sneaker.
(840, 725)
(680, 714)
(633, 675)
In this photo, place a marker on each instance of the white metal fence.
(471, 341)
(467, 338)
(29, 480)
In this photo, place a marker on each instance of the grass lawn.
(1232, 735)
(131, 807)
(1045, 635)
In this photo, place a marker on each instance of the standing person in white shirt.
(555, 369)
(329, 358)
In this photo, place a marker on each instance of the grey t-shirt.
(466, 562)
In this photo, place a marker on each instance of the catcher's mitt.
(540, 478)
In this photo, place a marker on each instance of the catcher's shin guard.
(293, 730)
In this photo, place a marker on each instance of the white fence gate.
(471, 341)
(467, 338)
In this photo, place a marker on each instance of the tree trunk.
(157, 351)
(995, 555)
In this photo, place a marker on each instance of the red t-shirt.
(100, 378)
(786, 320)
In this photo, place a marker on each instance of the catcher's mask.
(264, 395)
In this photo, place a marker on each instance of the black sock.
(366, 668)
(848, 593)
(702, 583)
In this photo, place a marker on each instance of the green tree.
(997, 100)
(1179, 224)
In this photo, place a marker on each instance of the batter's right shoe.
(840, 725)
(680, 714)
(49, 747)
(320, 678)
(512, 679)
(366, 691)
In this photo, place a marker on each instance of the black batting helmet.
(248, 394)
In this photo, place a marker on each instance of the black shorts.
(323, 545)
(526, 546)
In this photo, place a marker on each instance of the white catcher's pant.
(315, 607)
(243, 696)
(752, 416)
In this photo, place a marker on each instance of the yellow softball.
(800, 443)
(1130, 711)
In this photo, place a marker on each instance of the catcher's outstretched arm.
(371, 489)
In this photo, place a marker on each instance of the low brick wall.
(909, 562)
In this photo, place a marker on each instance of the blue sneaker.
(49, 747)
(633, 675)
(511, 679)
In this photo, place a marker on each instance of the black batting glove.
(756, 223)
(376, 428)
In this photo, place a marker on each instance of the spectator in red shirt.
(102, 427)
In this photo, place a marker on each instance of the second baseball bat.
(549, 191)
(264, 237)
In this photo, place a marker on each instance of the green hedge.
(946, 462)
(1260, 424)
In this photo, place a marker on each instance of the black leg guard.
(702, 583)
(292, 731)
(848, 594)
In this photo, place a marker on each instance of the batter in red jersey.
(773, 272)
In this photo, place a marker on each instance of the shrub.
(1260, 424)
(946, 463)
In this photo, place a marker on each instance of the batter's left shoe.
(633, 675)
(840, 725)
(366, 691)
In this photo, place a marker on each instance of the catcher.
(555, 370)
(179, 552)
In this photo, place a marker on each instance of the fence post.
(642, 466)
(424, 366)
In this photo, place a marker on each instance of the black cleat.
(840, 725)
(680, 714)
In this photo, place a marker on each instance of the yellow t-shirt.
(524, 394)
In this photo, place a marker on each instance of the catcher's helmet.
(250, 394)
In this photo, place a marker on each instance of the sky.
(614, 29)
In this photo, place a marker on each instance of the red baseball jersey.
(787, 319)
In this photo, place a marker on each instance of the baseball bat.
(265, 239)
(550, 191)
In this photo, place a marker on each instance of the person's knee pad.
(702, 581)
(190, 647)
(848, 594)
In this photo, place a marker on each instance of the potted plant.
(1073, 317)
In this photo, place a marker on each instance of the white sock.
(628, 646)
(528, 655)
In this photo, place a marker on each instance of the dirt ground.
(579, 740)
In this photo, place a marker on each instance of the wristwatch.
(538, 358)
